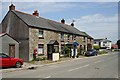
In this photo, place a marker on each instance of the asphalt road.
(105, 66)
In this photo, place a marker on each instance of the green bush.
(40, 59)
(96, 47)
(40, 54)
(67, 51)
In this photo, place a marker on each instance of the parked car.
(7, 61)
(91, 53)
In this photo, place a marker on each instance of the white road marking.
(78, 68)
(48, 77)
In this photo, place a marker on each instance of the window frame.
(41, 36)
(41, 46)
(62, 36)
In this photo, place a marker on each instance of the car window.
(3, 56)
(0, 55)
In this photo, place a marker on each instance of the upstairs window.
(95, 42)
(68, 37)
(84, 39)
(74, 37)
(62, 36)
(41, 33)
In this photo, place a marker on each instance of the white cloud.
(98, 25)
(60, 0)
(44, 7)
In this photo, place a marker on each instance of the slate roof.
(39, 22)
(73, 43)
(87, 35)
(53, 42)
(3, 34)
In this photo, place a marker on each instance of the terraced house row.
(46, 36)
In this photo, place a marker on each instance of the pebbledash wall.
(34, 40)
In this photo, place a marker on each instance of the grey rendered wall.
(6, 40)
(16, 28)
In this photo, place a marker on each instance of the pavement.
(36, 64)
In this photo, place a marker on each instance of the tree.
(66, 51)
(118, 43)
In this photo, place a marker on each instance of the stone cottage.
(35, 32)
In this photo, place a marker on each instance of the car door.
(6, 61)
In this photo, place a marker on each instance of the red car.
(6, 61)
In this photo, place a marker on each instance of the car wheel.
(18, 64)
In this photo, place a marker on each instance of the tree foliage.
(67, 51)
(96, 47)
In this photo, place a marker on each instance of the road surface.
(105, 66)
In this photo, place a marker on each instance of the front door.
(12, 50)
(49, 51)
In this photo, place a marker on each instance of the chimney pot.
(63, 21)
(11, 7)
(72, 24)
(36, 13)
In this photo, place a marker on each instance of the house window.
(90, 40)
(73, 37)
(68, 37)
(56, 48)
(40, 49)
(40, 33)
(84, 47)
(83, 39)
(95, 42)
(62, 36)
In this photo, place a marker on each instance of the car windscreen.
(3, 56)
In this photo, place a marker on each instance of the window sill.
(41, 37)
(62, 40)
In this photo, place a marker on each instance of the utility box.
(55, 56)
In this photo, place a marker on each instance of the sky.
(98, 19)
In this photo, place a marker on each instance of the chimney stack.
(72, 24)
(63, 21)
(36, 13)
(11, 7)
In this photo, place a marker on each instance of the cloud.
(98, 25)
(60, 0)
(44, 7)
